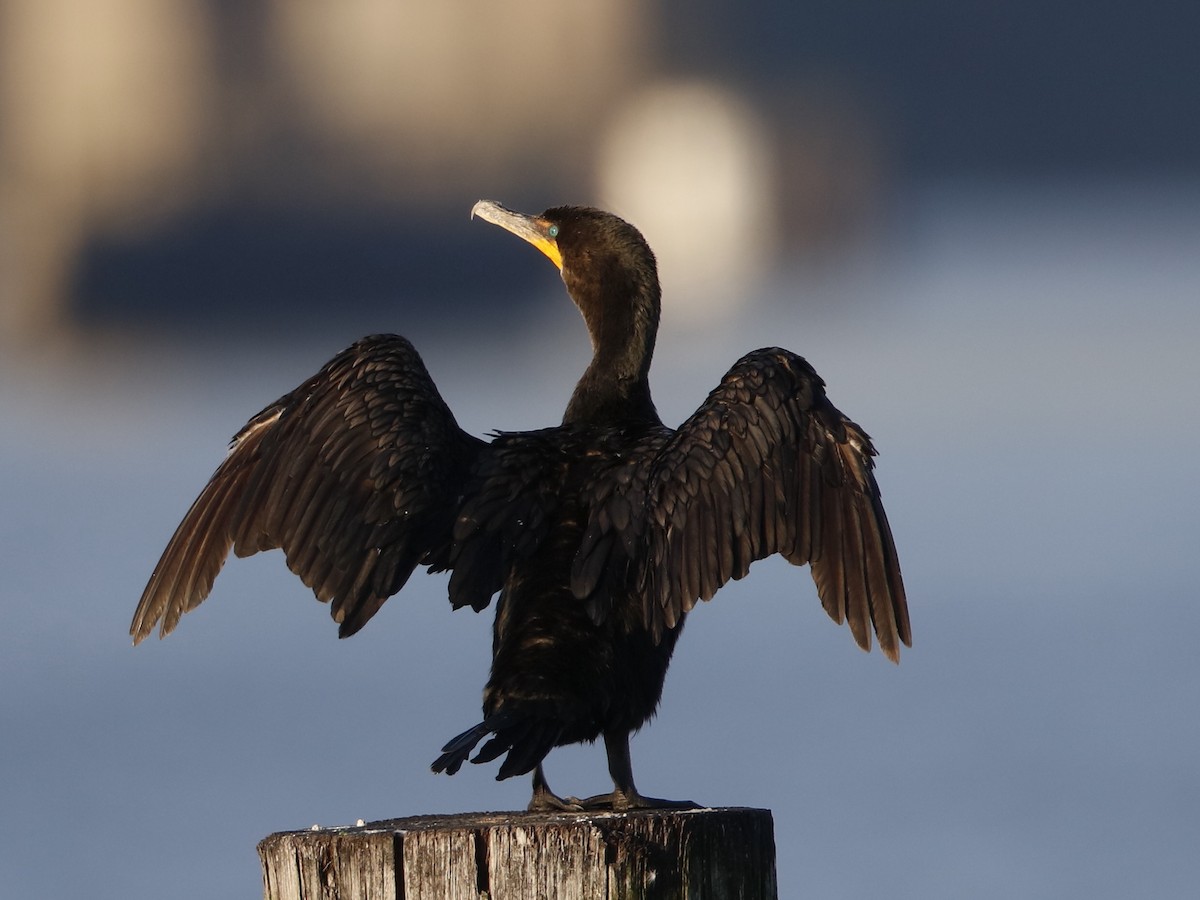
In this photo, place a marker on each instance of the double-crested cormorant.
(599, 534)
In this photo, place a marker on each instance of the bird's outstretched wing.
(768, 465)
(355, 475)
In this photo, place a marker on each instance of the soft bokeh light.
(691, 163)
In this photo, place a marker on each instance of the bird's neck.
(600, 399)
(615, 388)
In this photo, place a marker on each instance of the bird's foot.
(621, 801)
(546, 801)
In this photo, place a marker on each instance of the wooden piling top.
(699, 854)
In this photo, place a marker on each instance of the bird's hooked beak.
(533, 229)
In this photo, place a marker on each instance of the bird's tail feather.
(526, 740)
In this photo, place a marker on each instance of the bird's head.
(611, 274)
(605, 262)
(574, 238)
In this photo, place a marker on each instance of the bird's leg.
(625, 795)
(545, 800)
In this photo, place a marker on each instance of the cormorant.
(600, 534)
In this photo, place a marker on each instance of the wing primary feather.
(211, 541)
(858, 608)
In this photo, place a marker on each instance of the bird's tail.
(526, 740)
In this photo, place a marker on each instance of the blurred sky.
(1017, 328)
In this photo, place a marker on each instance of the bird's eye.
(552, 231)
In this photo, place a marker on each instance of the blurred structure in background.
(188, 161)
(103, 108)
(127, 122)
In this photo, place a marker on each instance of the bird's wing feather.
(355, 475)
(768, 465)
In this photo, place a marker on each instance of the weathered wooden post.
(701, 854)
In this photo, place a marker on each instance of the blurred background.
(980, 222)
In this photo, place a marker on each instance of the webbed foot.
(621, 801)
(545, 800)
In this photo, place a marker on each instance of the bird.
(596, 537)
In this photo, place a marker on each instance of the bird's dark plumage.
(599, 535)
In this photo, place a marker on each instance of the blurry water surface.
(1027, 362)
